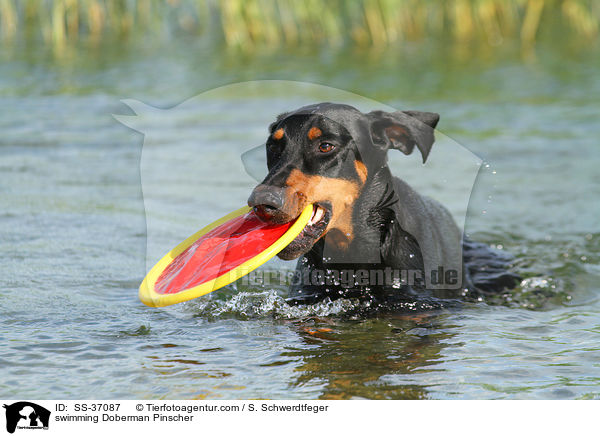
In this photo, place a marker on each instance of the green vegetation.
(260, 24)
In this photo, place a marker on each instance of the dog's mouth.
(310, 234)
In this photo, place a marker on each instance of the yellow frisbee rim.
(150, 297)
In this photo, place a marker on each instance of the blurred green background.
(339, 43)
(285, 24)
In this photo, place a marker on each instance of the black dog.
(370, 233)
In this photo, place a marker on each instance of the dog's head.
(324, 155)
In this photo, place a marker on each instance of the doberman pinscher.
(370, 233)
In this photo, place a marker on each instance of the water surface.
(73, 237)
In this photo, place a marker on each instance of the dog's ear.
(403, 130)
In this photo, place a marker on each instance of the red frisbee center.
(219, 251)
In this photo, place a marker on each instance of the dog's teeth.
(312, 217)
(317, 215)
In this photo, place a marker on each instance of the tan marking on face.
(314, 133)
(278, 134)
(342, 195)
(361, 170)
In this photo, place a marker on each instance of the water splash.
(269, 303)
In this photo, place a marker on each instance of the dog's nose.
(268, 202)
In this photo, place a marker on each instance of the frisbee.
(217, 255)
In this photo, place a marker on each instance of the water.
(73, 235)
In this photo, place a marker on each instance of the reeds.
(252, 24)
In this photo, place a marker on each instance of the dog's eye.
(326, 147)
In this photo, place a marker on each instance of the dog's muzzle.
(273, 204)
